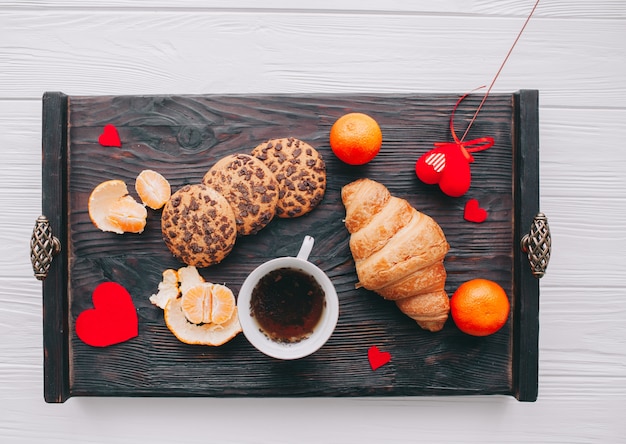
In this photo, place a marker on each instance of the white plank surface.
(573, 52)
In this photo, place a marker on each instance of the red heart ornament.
(430, 166)
(110, 136)
(447, 166)
(377, 358)
(473, 212)
(448, 163)
(112, 320)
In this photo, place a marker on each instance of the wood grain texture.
(181, 137)
(521, 8)
(127, 45)
(573, 56)
(526, 208)
(55, 206)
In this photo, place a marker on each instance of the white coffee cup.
(322, 330)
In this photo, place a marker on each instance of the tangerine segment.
(356, 138)
(196, 303)
(480, 307)
(153, 189)
(101, 199)
(208, 303)
(222, 304)
(127, 215)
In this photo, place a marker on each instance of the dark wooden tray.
(181, 137)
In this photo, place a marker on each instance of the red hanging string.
(481, 143)
(499, 70)
(471, 146)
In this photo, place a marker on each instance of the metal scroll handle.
(538, 245)
(43, 247)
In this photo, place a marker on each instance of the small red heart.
(110, 136)
(377, 358)
(473, 212)
(112, 320)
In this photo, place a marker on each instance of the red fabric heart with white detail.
(449, 163)
(447, 166)
(112, 320)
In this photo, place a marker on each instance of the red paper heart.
(473, 212)
(377, 358)
(447, 166)
(112, 320)
(110, 136)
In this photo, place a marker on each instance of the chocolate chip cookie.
(250, 188)
(198, 225)
(300, 171)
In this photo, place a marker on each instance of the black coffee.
(287, 303)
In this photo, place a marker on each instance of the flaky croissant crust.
(398, 252)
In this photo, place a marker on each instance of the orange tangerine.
(103, 196)
(479, 307)
(356, 138)
(209, 315)
(112, 209)
(208, 303)
(128, 215)
(200, 334)
(153, 189)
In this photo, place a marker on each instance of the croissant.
(398, 252)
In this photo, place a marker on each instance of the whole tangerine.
(479, 307)
(356, 138)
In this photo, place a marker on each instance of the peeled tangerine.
(195, 311)
(153, 189)
(111, 208)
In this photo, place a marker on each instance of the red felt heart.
(112, 320)
(430, 166)
(447, 166)
(377, 358)
(473, 212)
(110, 136)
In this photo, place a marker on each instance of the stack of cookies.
(240, 195)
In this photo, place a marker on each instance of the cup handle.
(305, 249)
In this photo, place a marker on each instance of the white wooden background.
(574, 52)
